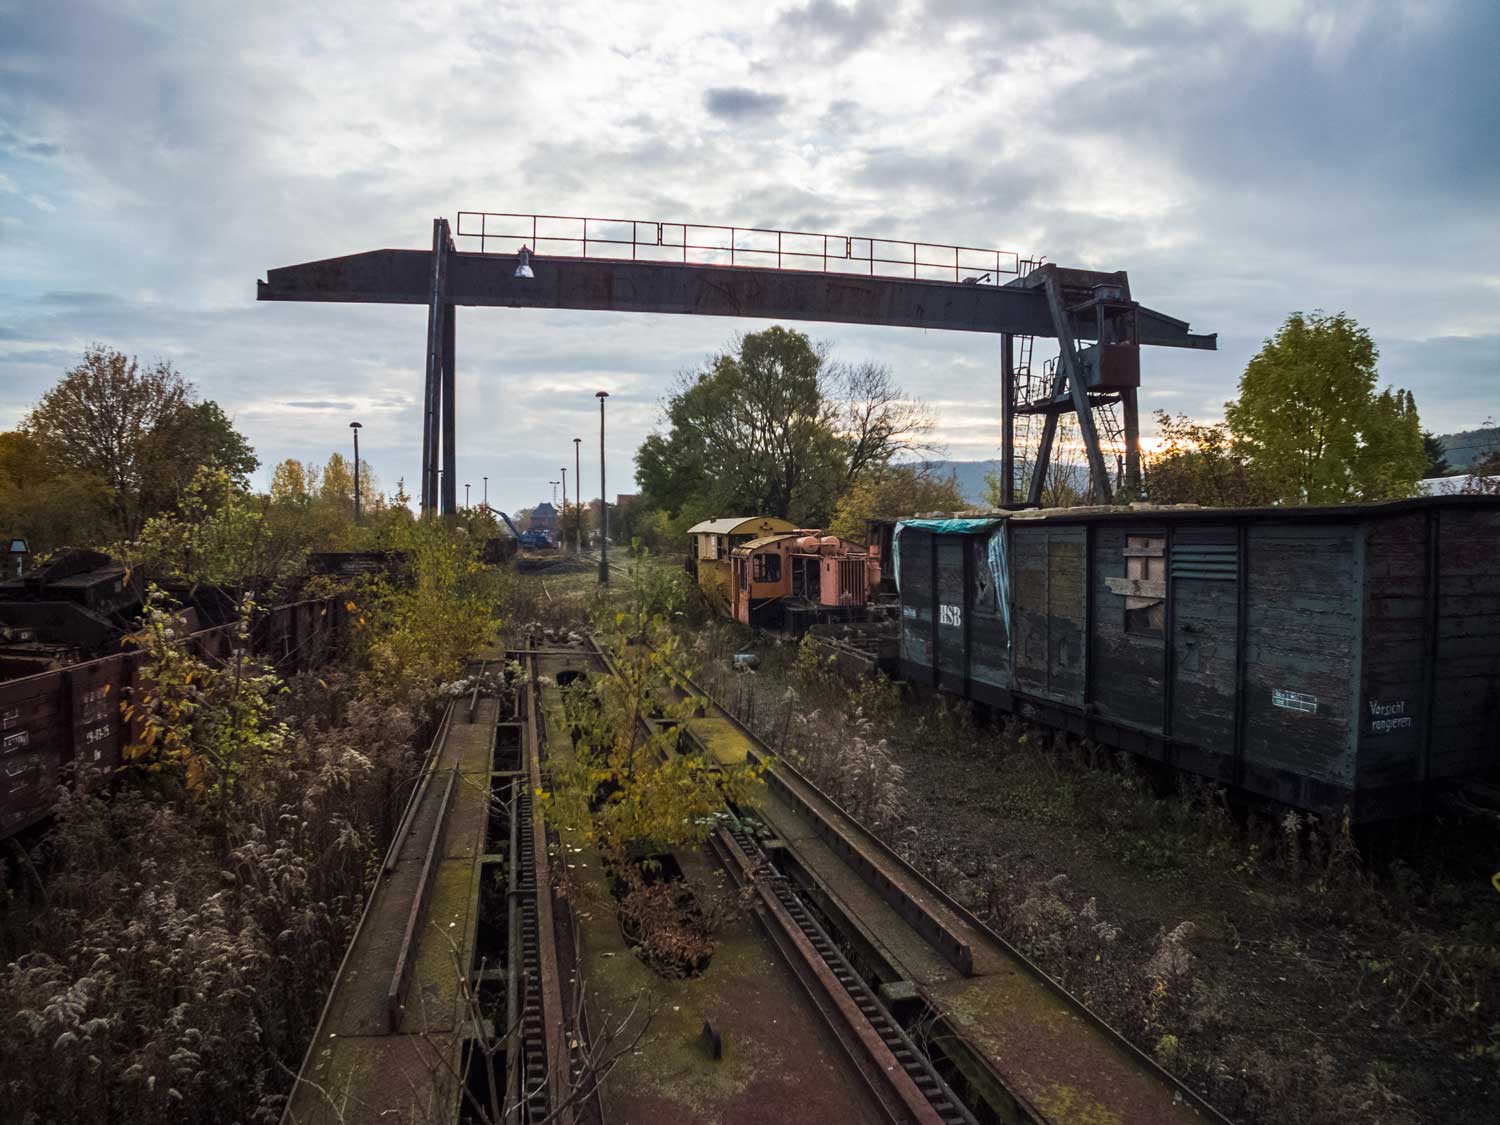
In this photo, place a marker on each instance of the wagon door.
(952, 610)
(1050, 609)
(1204, 611)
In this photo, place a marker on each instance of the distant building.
(624, 500)
(544, 517)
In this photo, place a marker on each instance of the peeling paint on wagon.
(64, 726)
(1327, 658)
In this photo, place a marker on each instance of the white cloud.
(1241, 159)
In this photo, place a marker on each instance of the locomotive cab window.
(766, 567)
(1145, 585)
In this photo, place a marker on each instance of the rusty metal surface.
(402, 277)
(550, 983)
(778, 1063)
(65, 725)
(418, 909)
(1046, 1047)
(876, 1061)
(418, 930)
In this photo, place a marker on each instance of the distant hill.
(1461, 448)
(970, 476)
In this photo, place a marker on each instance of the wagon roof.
(1192, 512)
(766, 541)
(740, 525)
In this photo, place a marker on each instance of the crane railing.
(576, 236)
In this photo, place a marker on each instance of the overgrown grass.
(1287, 967)
(168, 945)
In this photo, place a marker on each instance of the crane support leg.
(1068, 363)
(1132, 443)
(450, 405)
(439, 340)
(1007, 420)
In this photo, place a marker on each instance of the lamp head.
(356, 425)
(601, 394)
(523, 263)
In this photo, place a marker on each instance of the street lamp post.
(486, 492)
(355, 426)
(603, 503)
(562, 538)
(578, 488)
(466, 495)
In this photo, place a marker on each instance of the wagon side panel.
(1128, 666)
(1466, 673)
(35, 747)
(916, 606)
(1394, 648)
(1303, 615)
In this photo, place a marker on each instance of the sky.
(1241, 159)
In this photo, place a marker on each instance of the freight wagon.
(65, 726)
(1322, 657)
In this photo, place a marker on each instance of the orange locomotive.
(800, 578)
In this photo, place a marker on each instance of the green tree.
(139, 430)
(1391, 457)
(636, 790)
(896, 491)
(773, 427)
(191, 439)
(1309, 417)
(208, 722)
(336, 484)
(1436, 454)
(1200, 463)
(419, 634)
(48, 507)
(220, 535)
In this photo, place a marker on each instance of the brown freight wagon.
(64, 726)
(1322, 657)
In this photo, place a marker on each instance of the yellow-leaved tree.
(207, 725)
(640, 791)
(420, 632)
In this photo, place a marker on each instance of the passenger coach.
(1323, 657)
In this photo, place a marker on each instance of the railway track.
(447, 1006)
(858, 992)
(945, 1019)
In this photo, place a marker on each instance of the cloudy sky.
(1241, 159)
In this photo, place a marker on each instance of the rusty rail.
(804, 804)
(418, 909)
(892, 1066)
(543, 1065)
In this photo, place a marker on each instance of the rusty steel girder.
(405, 277)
